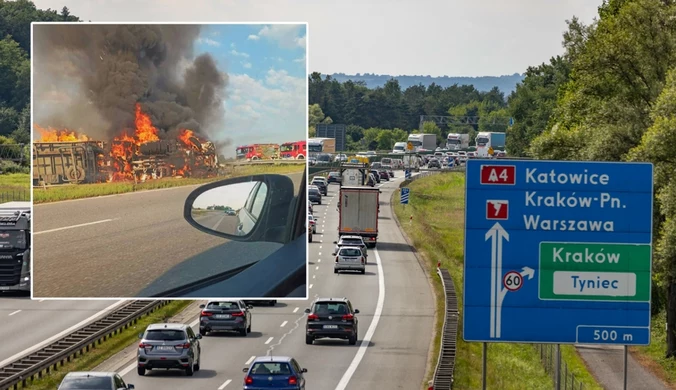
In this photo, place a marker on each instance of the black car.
(268, 302)
(434, 163)
(384, 175)
(376, 174)
(314, 195)
(321, 184)
(333, 318)
(225, 316)
(334, 177)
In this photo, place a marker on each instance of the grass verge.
(106, 349)
(79, 191)
(437, 206)
(653, 356)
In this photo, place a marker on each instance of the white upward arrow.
(496, 234)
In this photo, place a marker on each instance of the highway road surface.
(219, 221)
(26, 323)
(116, 246)
(395, 322)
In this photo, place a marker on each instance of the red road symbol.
(497, 209)
(512, 281)
(498, 174)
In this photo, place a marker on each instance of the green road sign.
(595, 272)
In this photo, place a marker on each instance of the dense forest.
(610, 97)
(15, 76)
(505, 83)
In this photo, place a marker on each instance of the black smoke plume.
(89, 77)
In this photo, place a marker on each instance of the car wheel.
(141, 371)
(273, 303)
(189, 370)
(309, 339)
(242, 332)
(248, 328)
(310, 237)
(197, 366)
(319, 203)
(363, 271)
(352, 340)
(203, 332)
(335, 271)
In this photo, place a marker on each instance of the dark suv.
(332, 318)
(225, 316)
(334, 177)
(169, 346)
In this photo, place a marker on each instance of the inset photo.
(169, 160)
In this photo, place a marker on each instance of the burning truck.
(63, 156)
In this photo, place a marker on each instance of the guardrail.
(74, 344)
(15, 195)
(443, 374)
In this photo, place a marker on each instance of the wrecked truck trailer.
(68, 162)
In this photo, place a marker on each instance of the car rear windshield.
(87, 383)
(313, 191)
(351, 242)
(328, 308)
(165, 335)
(223, 306)
(271, 368)
(350, 252)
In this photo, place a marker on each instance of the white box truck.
(358, 209)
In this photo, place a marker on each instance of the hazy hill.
(506, 84)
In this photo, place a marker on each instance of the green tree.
(14, 75)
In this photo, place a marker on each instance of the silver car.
(248, 215)
(169, 346)
(352, 241)
(94, 380)
(350, 258)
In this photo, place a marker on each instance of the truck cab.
(15, 246)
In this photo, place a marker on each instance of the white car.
(352, 241)
(313, 223)
(350, 258)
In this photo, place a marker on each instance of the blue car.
(274, 372)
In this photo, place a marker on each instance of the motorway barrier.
(443, 374)
(74, 344)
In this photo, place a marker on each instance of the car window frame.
(256, 197)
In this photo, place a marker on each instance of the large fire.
(135, 152)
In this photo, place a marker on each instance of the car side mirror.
(356, 311)
(224, 208)
(303, 370)
(140, 335)
(335, 242)
(249, 307)
(198, 336)
(245, 369)
(307, 311)
(202, 306)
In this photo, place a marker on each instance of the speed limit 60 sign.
(512, 281)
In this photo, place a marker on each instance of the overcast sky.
(396, 37)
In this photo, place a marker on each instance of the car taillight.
(248, 380)
(293, 380)
(144, 345)
(362, 260)
(348, 317)
(240, 314)
(206, 314)
(336, 259)
(312, 317)
(184, 346)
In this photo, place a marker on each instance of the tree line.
(377, 118)
(610, 97)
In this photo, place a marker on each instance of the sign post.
(558, 252)
(404, 195)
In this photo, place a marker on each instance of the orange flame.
(185, 136)
(145, 131)
(59, 135)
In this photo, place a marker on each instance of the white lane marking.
(132, 366)
(321, 240)
(296, 309)
(310, 286)
(342, 385)
(75, 226)
(218, 223)
(41, 300)
(283, 324)
(320, 253)
(59, 335)
(251, 359)
(314, 276)
(16, 312)
(269, 340)
(319, 261)
(320, 247)
(225, 384)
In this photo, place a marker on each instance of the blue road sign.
(404, 195)
(407, 174)
(511, 122)
(558, 252)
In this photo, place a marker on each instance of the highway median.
(79, 191)
(434, 222)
